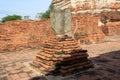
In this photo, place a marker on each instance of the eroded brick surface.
(13, 67)
(12, 63)
(61, 56)
(17, 35)
(105, 55)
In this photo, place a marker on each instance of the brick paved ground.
(12, 65)
(106, 55)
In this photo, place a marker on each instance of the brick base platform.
(61, 56)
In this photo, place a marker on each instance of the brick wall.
(88, 30)
(87, 4)
(112, 28)
(17, 35)
(90, 15)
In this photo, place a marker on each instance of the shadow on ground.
(109, 69)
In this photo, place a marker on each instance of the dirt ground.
(105, 56)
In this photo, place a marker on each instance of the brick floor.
(106, 55)
(23, 75)
(15, 76)
(12, 65)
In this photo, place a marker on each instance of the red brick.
(33, 74)
(10, 68)
(16, 35)
(15, 77)
(23, 75)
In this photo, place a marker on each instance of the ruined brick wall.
(17, 35)
(91, 28)
(88, 30)
(94, 27)
(102, 15)
(112, 23)
(112, 28)
(87, 4)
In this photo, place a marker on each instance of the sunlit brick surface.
(61, 56)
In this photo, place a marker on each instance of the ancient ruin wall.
(111, 28)
(88, 30)
(17, 35)
(87, 4)
(88, 16)
(106, 14)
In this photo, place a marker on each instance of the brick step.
(45, 54)
(69, 39)
(60, 48)
(67, 51)
(75, 57)
(59, 63)
(71, 70)
(76, 69)
(46, 63)
(65, 43)
(49, 58)
(67, 63)
(48, 67)
(72, 57)
(48, 46)
(35, 64)
(79, 50)
(75, 65)
(60, 44)
(41, 69)
(66, 47)
(59, 55)
(52, 52)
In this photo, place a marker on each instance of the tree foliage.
(46, 15)
(11, 17)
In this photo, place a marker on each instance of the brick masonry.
(89, 17)
(61, 56)
(17, 35)
(88, 30)
(104, 55)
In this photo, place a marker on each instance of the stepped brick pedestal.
(61, 56)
